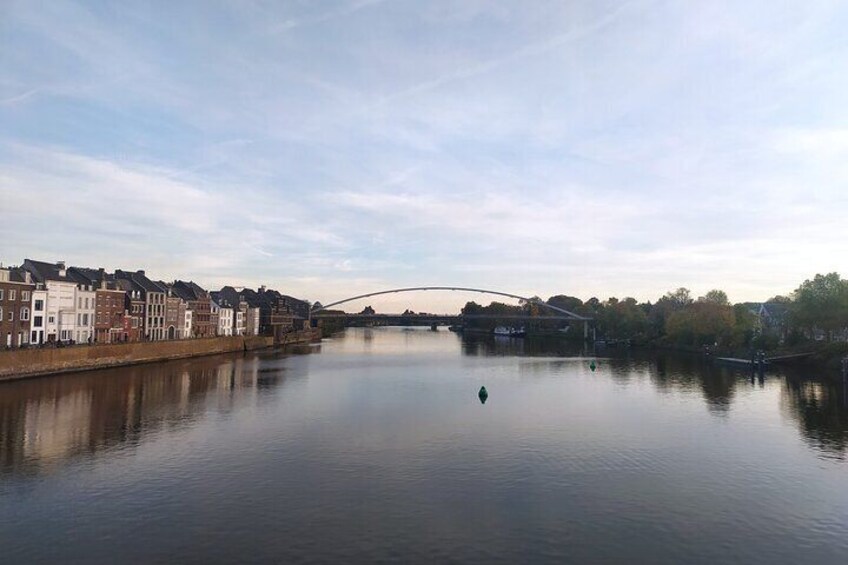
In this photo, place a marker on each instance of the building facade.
(63, 295)
(16, 289)
(154, 297)
(225, 318)
(200, 303)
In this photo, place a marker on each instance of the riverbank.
(27, 363)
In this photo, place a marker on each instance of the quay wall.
(24, 363)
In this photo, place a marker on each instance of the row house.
(226, 323)
(229, 298)
(246, 309)
(16, 290)
(112, 320)
(134, 305)
(69, 305)
(200, 303)
(154, 297)
(279, 314)
(175, 315)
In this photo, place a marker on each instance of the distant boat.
(509, 332)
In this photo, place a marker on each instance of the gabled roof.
(140, 280)
(43, 272)
(189, 291)
(774, 309)
(93, 277)
(19, 275)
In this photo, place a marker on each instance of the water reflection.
(820, 410)
(47, 421)
(818, 405)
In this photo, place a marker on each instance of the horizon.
(392, 303)
(338, 148)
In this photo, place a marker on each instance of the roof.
(774, 309)
(18, 275)
(43, 272)
(140, 280)
(189, 291)
(93, 277)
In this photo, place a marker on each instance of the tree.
(367, 311)
(822, 303)
(715, 297)
(670, 303)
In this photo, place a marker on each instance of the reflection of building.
(57, 427)
(16, 288)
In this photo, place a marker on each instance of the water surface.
(374, 446)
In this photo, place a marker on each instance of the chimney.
(62, 270)
(140, 272)
(262, 288)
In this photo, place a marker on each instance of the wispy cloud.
(593, 148)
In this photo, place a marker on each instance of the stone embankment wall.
(22, 363)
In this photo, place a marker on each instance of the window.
(85, 319)
(1, 314)
(38, 321)
(25, 295)
(51, 319)
(11, 295)
(80, 303)
(86, 303)
(24, 314)
(11, 315)
(1, 294)
(39, 305)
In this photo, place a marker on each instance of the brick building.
(153, 297)
(200, 304)
(16, 290)
(111, 315)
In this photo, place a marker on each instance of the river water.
(374, 446)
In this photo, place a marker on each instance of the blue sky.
(331, 148)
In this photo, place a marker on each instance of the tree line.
(816, 311)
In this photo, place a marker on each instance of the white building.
(84, 332)
(68, 308)
(225, 319)
(187, 324)
(38, 326)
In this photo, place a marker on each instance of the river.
(374, 446)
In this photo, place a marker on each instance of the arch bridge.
(560, 313)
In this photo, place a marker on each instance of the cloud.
(591, 148)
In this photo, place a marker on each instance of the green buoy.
(593, 366)
(483, 395)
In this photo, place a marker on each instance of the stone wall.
(21, 363)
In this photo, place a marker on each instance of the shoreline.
(17, 364)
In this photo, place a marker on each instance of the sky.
(332, 148)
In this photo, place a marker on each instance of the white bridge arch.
(539, 302)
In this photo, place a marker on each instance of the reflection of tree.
(479, 345)
(45, 422)
(820, 410)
